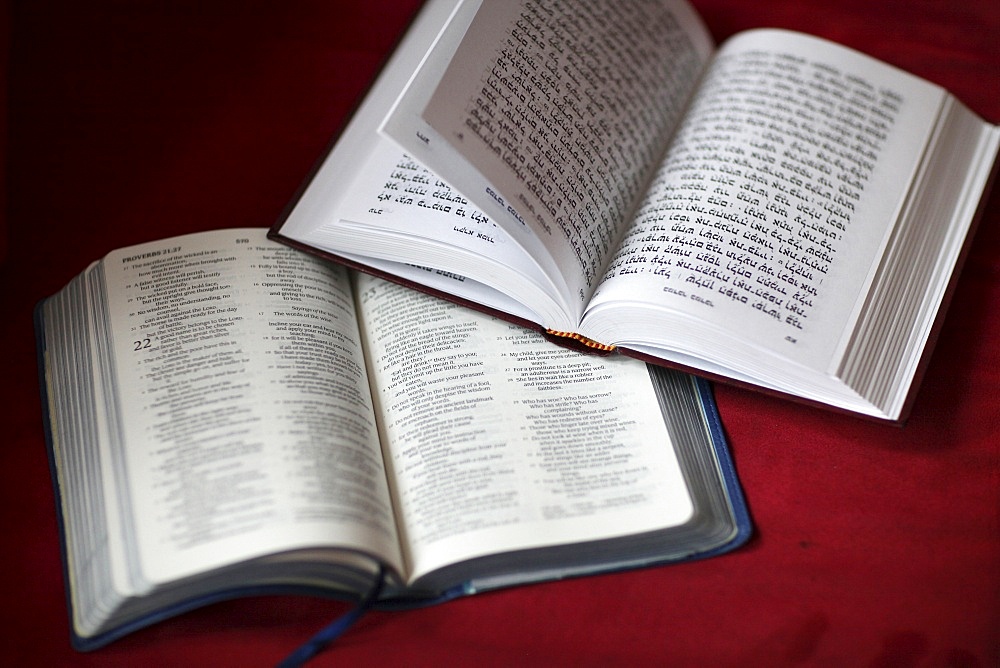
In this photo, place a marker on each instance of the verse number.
(141, 344)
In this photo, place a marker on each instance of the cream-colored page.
(498, 440)
(247, 418)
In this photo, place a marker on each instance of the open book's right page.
(498, 441)
(773, 206)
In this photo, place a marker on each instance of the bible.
(228, 416)
(777, 211)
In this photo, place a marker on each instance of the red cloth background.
(874, 545)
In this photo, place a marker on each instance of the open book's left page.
(236, 417)
(551, 117)
(546, 119)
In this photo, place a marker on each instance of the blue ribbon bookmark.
(336, 628)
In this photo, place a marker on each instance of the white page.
(354, 207)
(395, 210)
(561, 112)
(248, 425)
(776, 222)
(500, 440)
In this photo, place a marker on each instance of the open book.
(227, 415)
(780, 211)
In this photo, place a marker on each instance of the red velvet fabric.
(874, 545)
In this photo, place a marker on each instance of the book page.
(499, 440)
(777, 197)
(398, 211)
(561, 111)
(372, 203)
(395, 193)
(247, 419)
